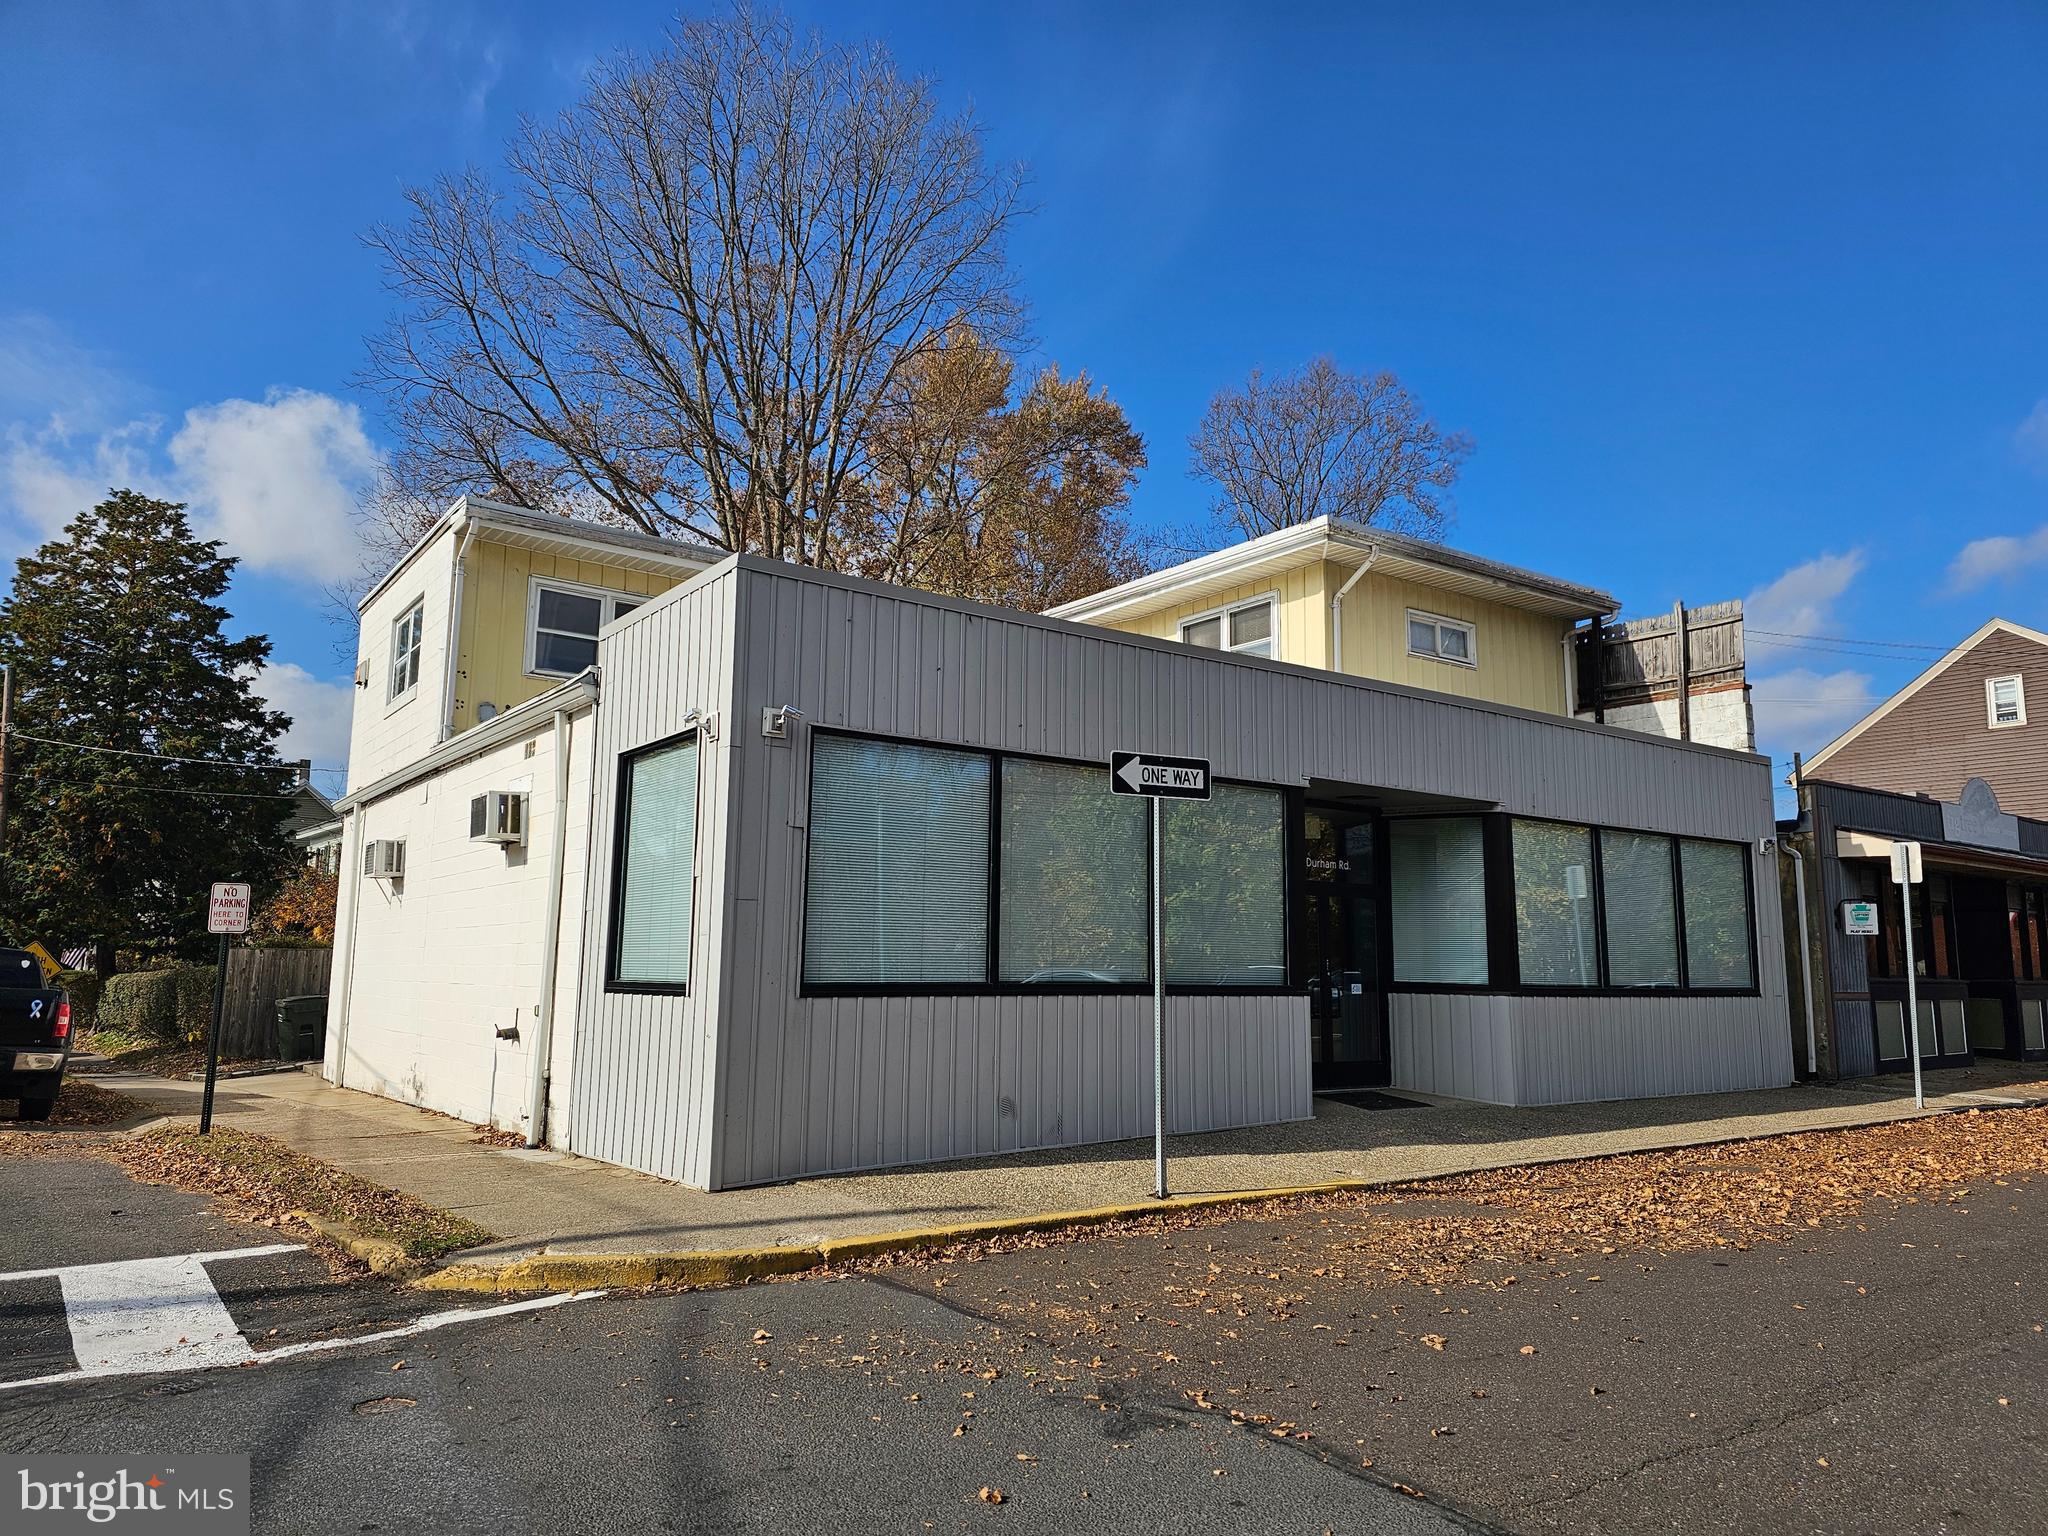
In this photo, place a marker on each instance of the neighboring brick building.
(1969, 716)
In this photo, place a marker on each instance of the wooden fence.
(257, 978)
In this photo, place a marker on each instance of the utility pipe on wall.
(447, 727)
(1337, 609)
(337, 1012)
(1805, 961)
(551, 934)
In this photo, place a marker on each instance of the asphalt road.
(1888, 1378)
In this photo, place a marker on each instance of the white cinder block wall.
(442, 960)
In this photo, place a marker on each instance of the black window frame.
(1606, 986)
(616, 903)
(990, 986)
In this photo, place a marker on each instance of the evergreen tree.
(117, 638)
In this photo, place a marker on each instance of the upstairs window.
(406, 634)
(562, 624)
(1247, 629)
(2005, 701)
(1442, 639)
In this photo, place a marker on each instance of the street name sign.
(1162, 778)
(227, 910)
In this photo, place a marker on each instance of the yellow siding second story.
(525, 616)
(493, 606)
(1396, 609)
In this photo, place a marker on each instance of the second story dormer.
(493, 606)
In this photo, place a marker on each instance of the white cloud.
(319, 710)
(47, 476)
(1803, 710)
(1801, 601)
(2000, 558)
(278, 482)
(2030, 437)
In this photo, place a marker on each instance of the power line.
(166, 789)
(1899, 645)
(166, 757)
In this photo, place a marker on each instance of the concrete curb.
(549, 1271)
(384, 1257)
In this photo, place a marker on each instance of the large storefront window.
(1225, 868)
(1555, 933)
(1642, 912)
(898, 881)
(1438, 872)
(898, 887)
(1073, 890)
(1716, 913)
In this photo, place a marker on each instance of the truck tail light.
(63, 1021)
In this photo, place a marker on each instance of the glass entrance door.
(1347, 1013)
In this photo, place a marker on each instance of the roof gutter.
(578, 693)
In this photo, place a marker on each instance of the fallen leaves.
(991, 1495)
(262, 1178)
(1435, 1341)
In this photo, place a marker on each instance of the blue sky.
(1736, 301)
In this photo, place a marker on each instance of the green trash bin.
(302, 1028)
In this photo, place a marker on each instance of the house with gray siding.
(847, 888)
(1966, 717)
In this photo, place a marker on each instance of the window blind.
(1438, 873)
(1716, 913)
(1642, 916)
(657, 867)
(897, 887)
(1224, 868)
(1555, 936)
(1075, 864)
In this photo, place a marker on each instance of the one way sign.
(1163, 778)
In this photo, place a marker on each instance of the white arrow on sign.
(1170, 778)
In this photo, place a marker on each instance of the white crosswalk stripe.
(134, 1316)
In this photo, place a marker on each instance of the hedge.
(171, 1005)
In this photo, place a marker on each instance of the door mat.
(1372, 1098)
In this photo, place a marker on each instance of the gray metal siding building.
(752, 1076)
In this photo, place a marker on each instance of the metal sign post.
(1906, 871)
(1158, 778)
(227, 912)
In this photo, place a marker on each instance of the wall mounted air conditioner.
(384, 858)
(498, 817)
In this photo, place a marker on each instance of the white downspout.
(348, 958)
(551, 934)
(1571, 680)
(1337, 608)
(454, 636)
(1805, 961)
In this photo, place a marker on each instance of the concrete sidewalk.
(555, 1201)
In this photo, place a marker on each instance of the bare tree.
(1319, 442)
(699, 294)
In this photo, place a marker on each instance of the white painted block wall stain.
(1718, 719)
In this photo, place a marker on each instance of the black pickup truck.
(35, 1035)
